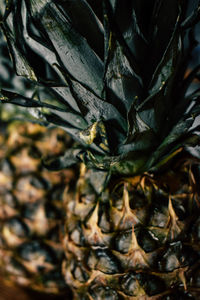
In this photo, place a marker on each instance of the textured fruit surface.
(31, 215)
(139, 239)
(117, 71)
(9, 292)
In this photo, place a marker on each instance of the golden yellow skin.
(31, 214)
(138, 239)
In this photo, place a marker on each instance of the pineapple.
(117, 70)
(31, 215)
(138, 239)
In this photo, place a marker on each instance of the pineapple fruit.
(31, 215)
(117, 72)
(138, 239)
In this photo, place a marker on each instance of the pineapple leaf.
(21, 64)
(72, 50)
(85, 21)
(92, 107)
(193, 19)
(117, 73)
(70, 158)
(14, 98)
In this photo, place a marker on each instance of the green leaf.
(193, 19)
(86, 22)
(143, 141)
(172, 142)
(116, 72)
(72, 49)
(14, 98)
(21, 64)
(120, 78)
(69, 159)
(166, 67)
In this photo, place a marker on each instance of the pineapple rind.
(136, 240)
(31, 214)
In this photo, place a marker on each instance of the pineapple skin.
(31, 215)
(138, 239)
(116, 247)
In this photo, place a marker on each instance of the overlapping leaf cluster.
(13, 83)
(116, 69)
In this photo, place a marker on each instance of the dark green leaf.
(70, 158)
(73, 50)
(192, 19)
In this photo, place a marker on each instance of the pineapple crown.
(116, 72)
